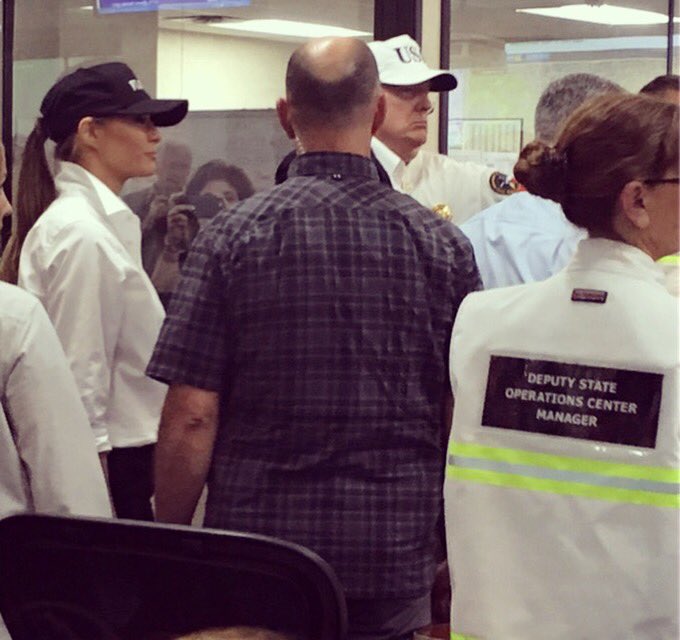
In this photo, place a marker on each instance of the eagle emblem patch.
(503, 184)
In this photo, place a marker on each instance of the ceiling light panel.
(591, 45)
(288, 29)
(600, 14)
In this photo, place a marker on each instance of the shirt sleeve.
(476, 232)
(466, 277)
(83, 296)
(193, 346)
(467, 187)
(464, 186)
(477, 177)
(50, 426)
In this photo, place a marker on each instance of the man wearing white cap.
(435, 180)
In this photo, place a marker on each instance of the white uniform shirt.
(435, 179)
(82, 260)
(48, 460)
(551, 535)
(522, 239)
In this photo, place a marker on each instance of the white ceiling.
(471, 19)
(498, 20)
(40, 23)
(353, 14)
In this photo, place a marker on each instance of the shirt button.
(337, 176)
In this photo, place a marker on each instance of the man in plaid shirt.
(306, 350)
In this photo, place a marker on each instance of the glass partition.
(505, 52)
(227, 57)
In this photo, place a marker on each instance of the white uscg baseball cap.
(400, 63)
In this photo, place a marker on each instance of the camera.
(205, 206)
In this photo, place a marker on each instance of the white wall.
(431, 31)
(512, 91)
(220, 72)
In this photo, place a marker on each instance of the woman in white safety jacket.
(561, 489)
(76, 246)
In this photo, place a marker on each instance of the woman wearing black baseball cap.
(76, 246)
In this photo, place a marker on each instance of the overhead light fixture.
(600, 14)
(627, 43)
(288, 29)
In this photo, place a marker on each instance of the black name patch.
(589, 295)
(618, 406)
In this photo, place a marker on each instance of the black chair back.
(86, 579)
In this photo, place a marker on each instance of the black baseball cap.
(109, 89)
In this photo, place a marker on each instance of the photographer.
(173, 222)
(172, 227)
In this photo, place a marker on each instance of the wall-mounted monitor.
(130, 6)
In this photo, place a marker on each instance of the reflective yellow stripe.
(460, 636)
(611, 494)
(565, 463)
(564, 475)
(674, 259)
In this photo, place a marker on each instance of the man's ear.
(379, 116)
(631, 204)
(283, 111)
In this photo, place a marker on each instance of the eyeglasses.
(663, 181)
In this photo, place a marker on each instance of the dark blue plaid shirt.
(321, 311)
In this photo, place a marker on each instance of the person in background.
(173, 167)
(226, 182)
(48, 457)
(80, 255)
(223, 183)
(302, 381)
(665, 87)
(526, 238)
(561, 486)
(455, 189)
(164, 251)
(214, 187)
(152, 204)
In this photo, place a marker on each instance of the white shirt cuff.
(101, 437)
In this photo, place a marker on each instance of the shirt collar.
(618, 257)
(327, 163)
(391, 162)
(72, 176)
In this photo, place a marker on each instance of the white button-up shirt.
(82, 259)
(522, 239)
(435, 179)
(48, 459)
